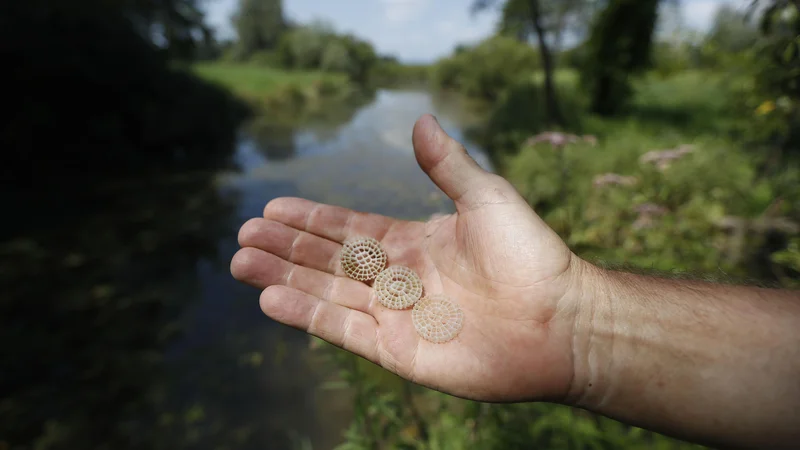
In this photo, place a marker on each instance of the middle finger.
(293, 245)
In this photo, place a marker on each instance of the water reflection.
(265, 385)
(278, 140)
(368, 164)
(124, 329)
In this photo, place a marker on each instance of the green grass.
(285, 97)
(565, 78)
(251, 80)
(720, 178)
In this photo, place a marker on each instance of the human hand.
(511, 274)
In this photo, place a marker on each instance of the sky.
(415, 31)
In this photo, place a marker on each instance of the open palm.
(495, 258)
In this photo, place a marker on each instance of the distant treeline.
(758, 49)
(266, 38)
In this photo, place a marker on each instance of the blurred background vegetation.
(675, 153)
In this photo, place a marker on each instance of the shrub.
(487, 70)
(302, 47)
(389, 72)
(520, 113)
(266, 59)
(336, 58)
(690, 201)
(317, 47)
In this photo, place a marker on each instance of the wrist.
(592, 334)
(674, 356)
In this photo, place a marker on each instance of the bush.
(670, 58)
(389, 72)
(689, 201)
(392, 413)
(336, 58)
(487, 70)
(266, 59)
(302, 47)
(122, 109)
(520, 112)
(619, 46)
(317, 47)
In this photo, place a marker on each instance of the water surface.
(150, 343)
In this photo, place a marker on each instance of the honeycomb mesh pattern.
(398, 287)
(363, 258)
(437, 319)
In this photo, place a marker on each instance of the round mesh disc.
(398, 287)
(437, 319)
(363, 259)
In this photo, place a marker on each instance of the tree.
(778, 71)
(177, 26)
(259, 24)
(538, 18)
(619, 45)
(558, 19)
(731, 31)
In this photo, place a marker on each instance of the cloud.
(445, 27)
(402, 11)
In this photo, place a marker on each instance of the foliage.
(269, 59)
(539, 19)
(619, 45)
(558, 17)
(389, 72)
(281, 97)
(91, 303)
(788, 261)
(666, 188)
(394, 414)
(121, 109)
(778, 73)
(176, 25)
(486, 70)
(259, 25)
(249, 80)
(732, 31)
(520, 112)
(672, 58)
(699, 192)
(318, 47)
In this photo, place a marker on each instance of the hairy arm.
(709, 363)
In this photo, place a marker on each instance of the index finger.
(330, 222)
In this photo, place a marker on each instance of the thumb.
(449, 166)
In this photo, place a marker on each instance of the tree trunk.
(551, 100)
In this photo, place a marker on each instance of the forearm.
(709, 363)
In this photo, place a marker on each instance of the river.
(226, 376)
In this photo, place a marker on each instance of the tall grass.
(701, 214)
(700, 194)
(271, 89)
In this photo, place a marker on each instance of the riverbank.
(296, 94)
(665, 185)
